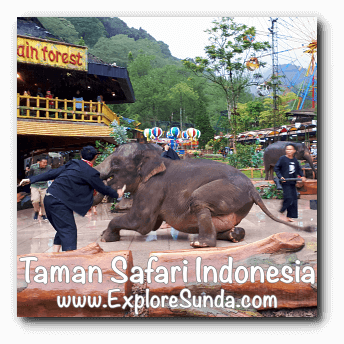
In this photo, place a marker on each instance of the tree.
(89, 28)
(61, 27)
(181, 94)
(269, 118)
(225, 64)
(202, 123)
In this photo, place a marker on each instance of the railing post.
(56, 107)
(65, 115)
(47, 107)
(28, 105)
(37, 104)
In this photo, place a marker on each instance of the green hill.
(110, 39)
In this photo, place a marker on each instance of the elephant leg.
(206, 228)
(235, 234)
(143, 217)
(267, 171)
(271, 177)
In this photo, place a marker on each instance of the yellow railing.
(64, 109)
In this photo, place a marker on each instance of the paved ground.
(36, 237)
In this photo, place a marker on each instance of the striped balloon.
(191, 133)
(175, 131)
(147, 133)
(156, 132)
(198, 134)
(185, 135)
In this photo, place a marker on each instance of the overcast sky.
(185, 36)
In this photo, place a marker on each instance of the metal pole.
(274, 70)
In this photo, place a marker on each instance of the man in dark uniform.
(71, 190)
(288, 167)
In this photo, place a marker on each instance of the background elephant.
(274, 151)
(192, 195)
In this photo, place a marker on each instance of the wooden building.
(63, 94)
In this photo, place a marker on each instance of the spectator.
(39, 93)
(38, 190)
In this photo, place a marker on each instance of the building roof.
(112, 82)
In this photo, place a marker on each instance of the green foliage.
(61, 27)
(119, 133)
(268, 118)
(270, 192)
(89, 28)
(106, 149)
(245, 157)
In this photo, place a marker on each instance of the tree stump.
(36, 299)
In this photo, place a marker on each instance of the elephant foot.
(235, 234)
(197, 244)
(109, 236)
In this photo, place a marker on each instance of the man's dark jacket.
(170, 154)
(282, 169)
(73, 185)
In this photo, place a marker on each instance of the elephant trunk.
(97, 198)
(103, 168)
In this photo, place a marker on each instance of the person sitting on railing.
(78, 104)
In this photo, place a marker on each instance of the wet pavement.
(37, 236)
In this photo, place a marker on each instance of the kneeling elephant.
(192, 195)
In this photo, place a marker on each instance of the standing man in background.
(38, 189)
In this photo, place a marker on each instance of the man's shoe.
(44, 218)
(35, 217)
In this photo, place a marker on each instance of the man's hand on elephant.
(121, 191)
(303, 179)
(24, 182)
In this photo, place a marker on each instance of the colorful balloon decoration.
(156, 132)
(249, 38)
(252, 64)
(198, 134)
(191, 133)
(147, 133)
(185, 135)
(169, 135)
(175, 131)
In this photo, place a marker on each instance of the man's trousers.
(289, 200)
(62, 219)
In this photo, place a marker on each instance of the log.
(36, 299)
(288, 295)
(204, 312)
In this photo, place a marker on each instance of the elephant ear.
(149, 165)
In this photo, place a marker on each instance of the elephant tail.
(258, 200)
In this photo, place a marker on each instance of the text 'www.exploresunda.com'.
(185, 300)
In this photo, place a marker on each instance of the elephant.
(191, 195)
(274, 151)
